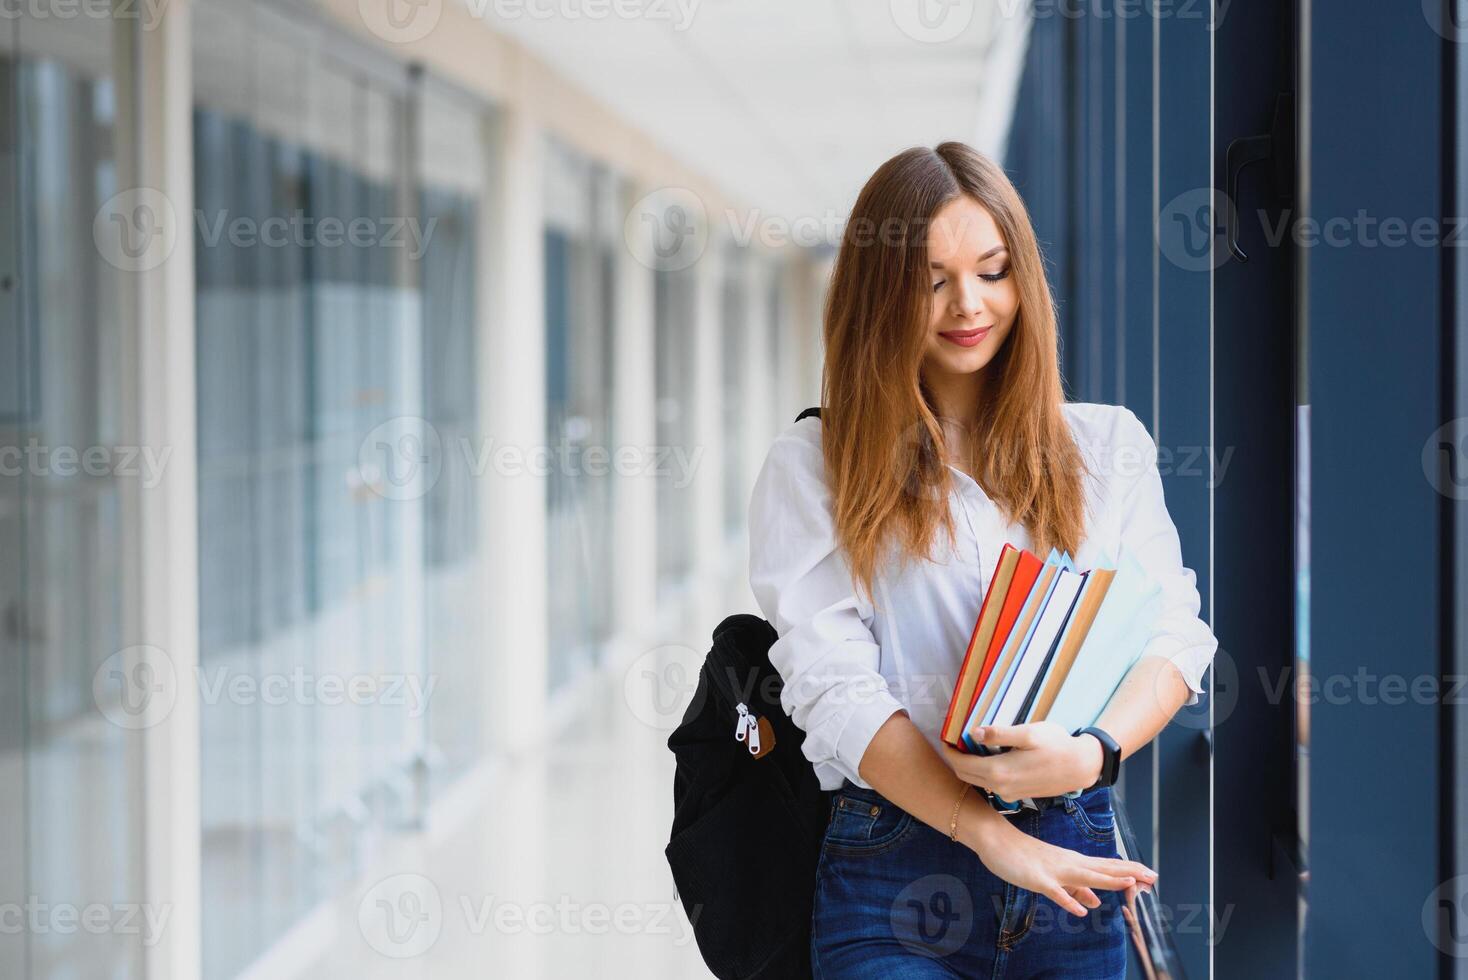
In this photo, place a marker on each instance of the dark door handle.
(1277, 145)
(1241, 152)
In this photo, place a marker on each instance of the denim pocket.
(863, 821)
(1093, 815)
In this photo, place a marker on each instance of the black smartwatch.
(1110, 758)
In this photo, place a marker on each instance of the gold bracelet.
(953, 821)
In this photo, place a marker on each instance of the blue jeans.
(897, 899)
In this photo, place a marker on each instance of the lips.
(966, 338)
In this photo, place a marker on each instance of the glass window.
(452, 170)
(775, 310)
(733, 332)
(675, 316)
(70, 805)
(338, 537)
(580, 249)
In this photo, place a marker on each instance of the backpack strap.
(816, 411)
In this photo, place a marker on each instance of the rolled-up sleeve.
(826, 654)
(1148, 532)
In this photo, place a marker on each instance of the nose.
(968, 298)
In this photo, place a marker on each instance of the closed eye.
(986, 276)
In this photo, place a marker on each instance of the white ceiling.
(788, 105)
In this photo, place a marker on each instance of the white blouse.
(847, 666)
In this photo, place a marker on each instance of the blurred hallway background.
(432, 349)
(382, 383)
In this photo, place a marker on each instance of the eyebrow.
(992, 252)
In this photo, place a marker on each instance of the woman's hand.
(1044, 760)
(1068, 878)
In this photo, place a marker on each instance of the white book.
(1052, 620)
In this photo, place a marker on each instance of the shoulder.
(1096, 418)
(1115, 444)
(790, 505)
(806, 431)
(794, 459)
(798, 446)
(1097, 424)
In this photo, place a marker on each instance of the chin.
(964, 361)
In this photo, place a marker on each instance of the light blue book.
(1121, 630)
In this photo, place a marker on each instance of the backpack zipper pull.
(747, 730)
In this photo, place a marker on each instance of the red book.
(1025, 574)
(1009, 589)
(967, 685)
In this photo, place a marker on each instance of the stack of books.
(1051, 643)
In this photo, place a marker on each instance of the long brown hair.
(884, 447)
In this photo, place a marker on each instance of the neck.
(956, 397)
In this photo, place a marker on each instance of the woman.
(944, 434)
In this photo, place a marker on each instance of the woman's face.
(974, 297)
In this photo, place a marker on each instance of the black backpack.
(747, 830)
